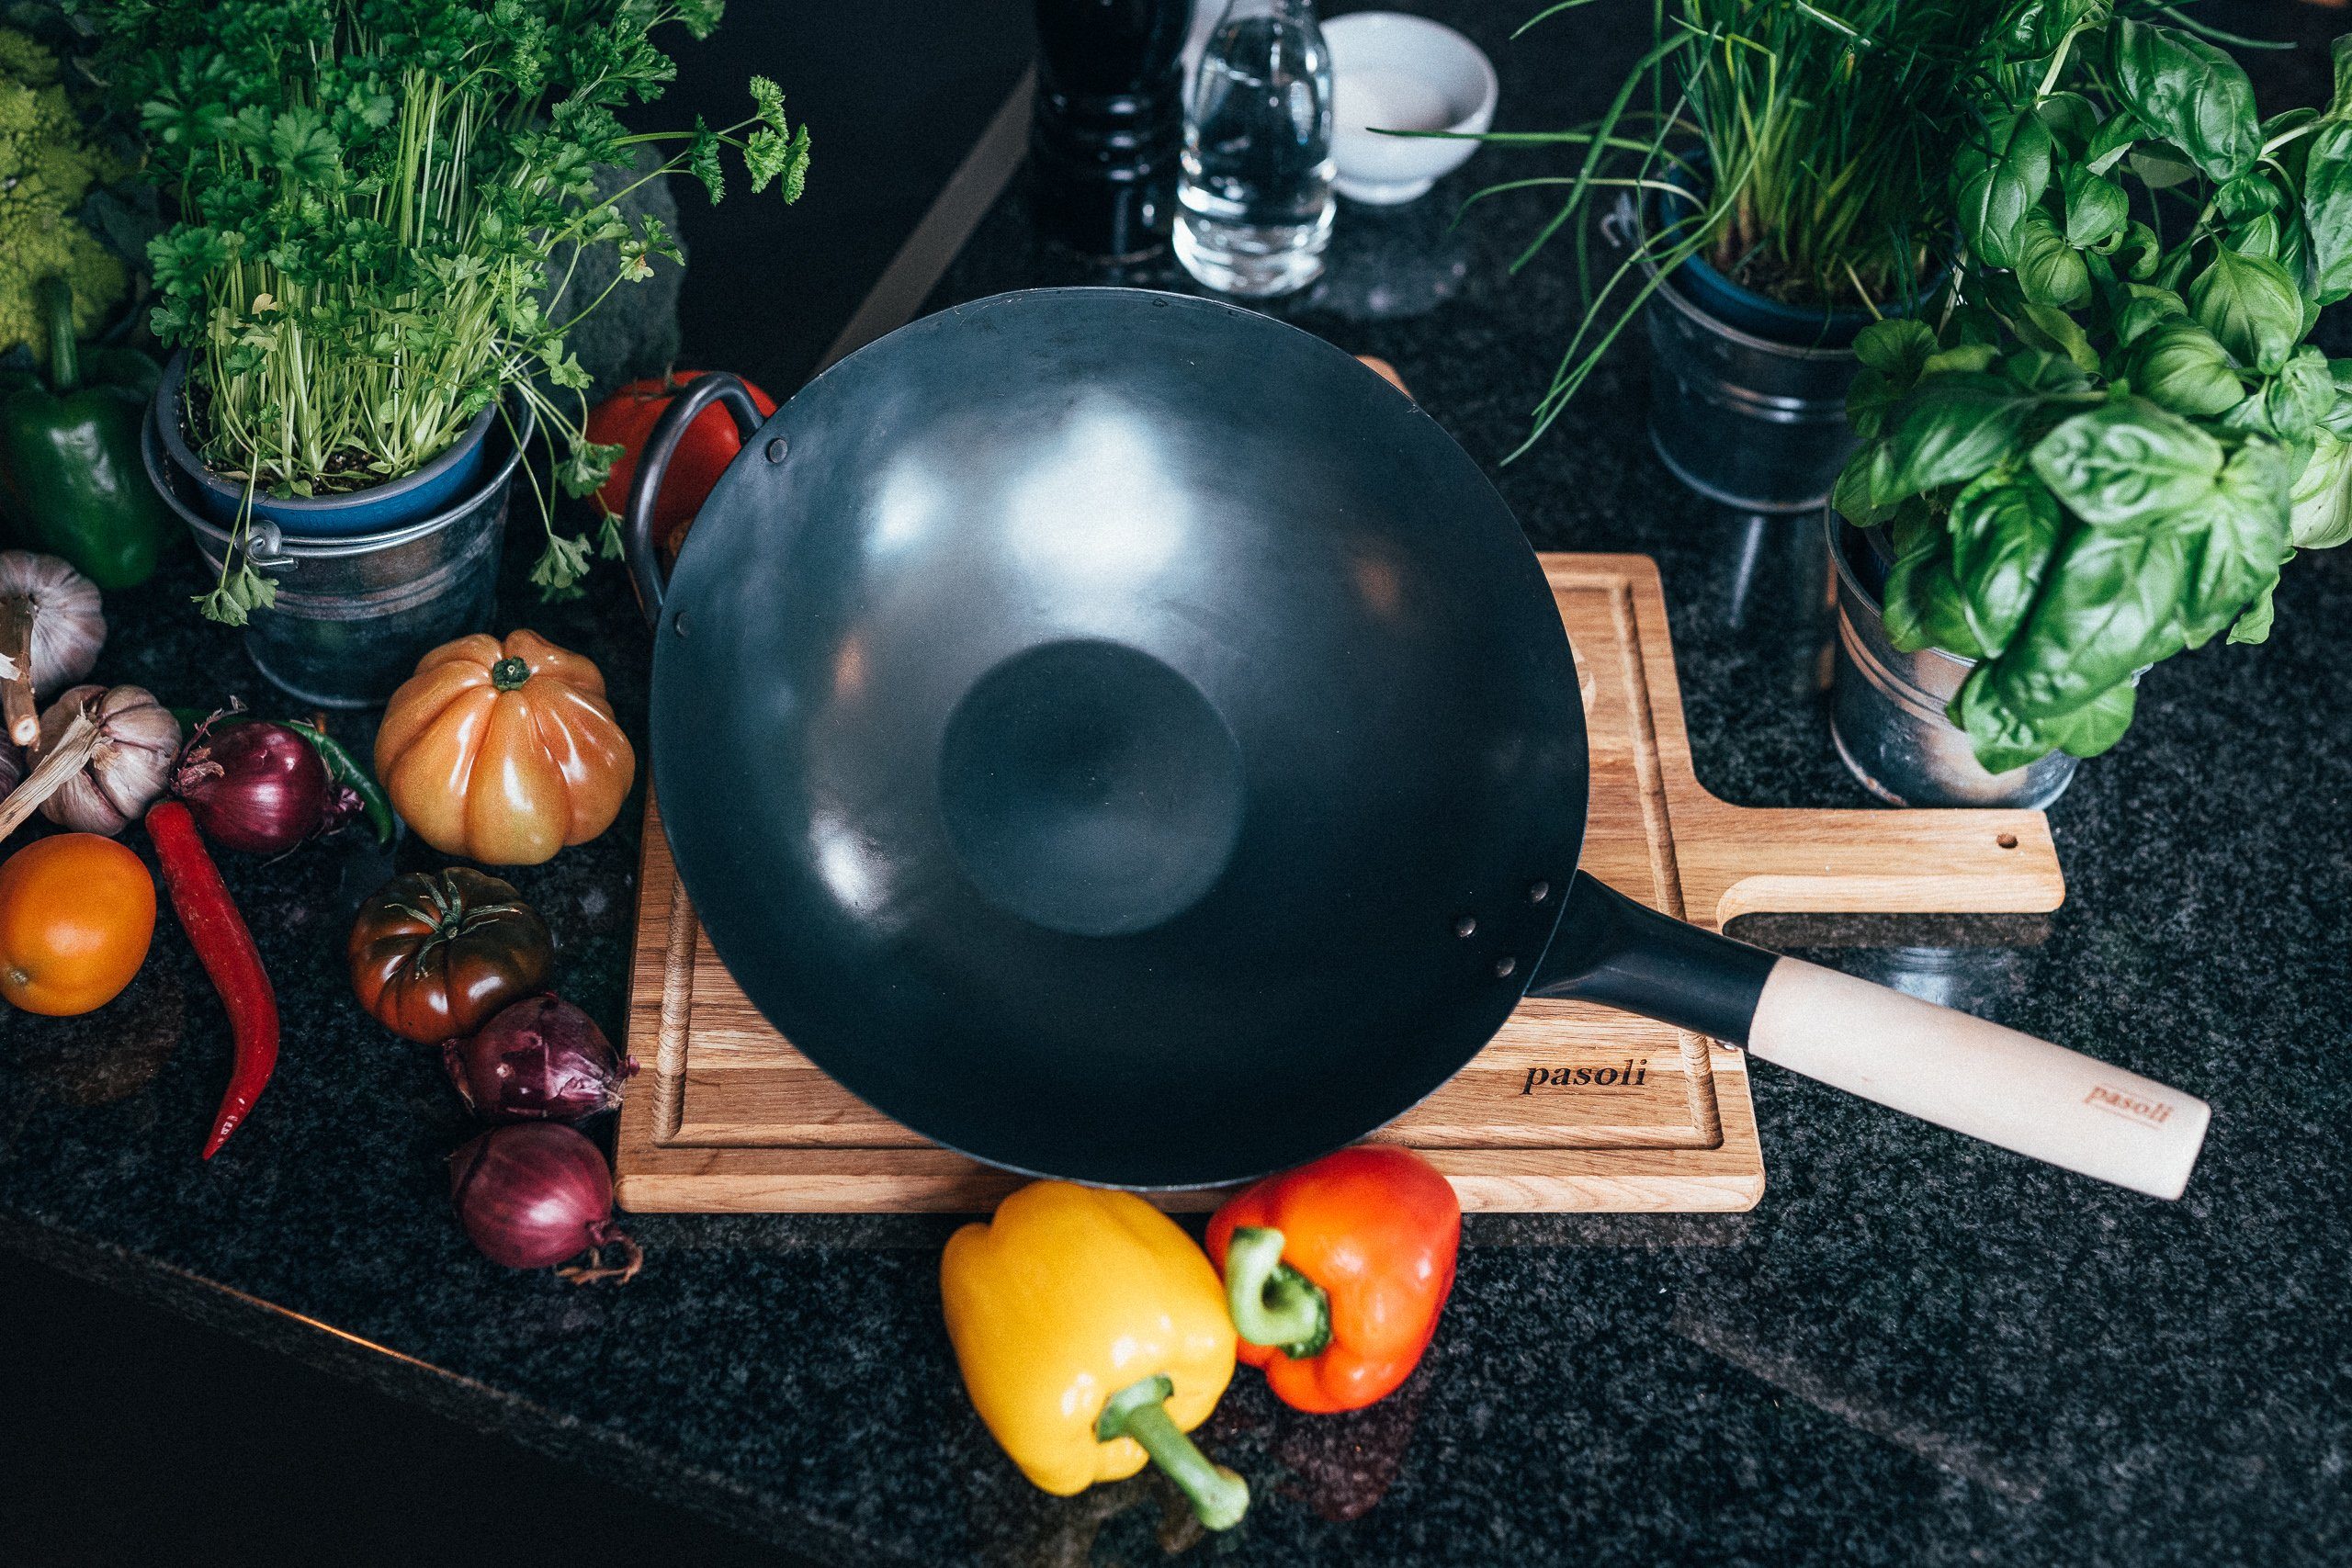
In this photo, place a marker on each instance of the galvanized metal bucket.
(1752, 423)
(1886, 711)
(354, 613)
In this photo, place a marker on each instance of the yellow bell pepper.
(1093, 1334)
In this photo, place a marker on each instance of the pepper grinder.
(1108, 127)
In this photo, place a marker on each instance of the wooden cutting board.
(1569, 1107)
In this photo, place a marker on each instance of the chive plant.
(1798, 146)
(369, 192)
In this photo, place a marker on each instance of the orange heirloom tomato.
(77, 914)
(504, 752)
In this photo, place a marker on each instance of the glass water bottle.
(1254, 200)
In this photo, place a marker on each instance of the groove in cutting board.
(1569, 1107)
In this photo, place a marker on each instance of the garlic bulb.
(50, 630)
(106, 755)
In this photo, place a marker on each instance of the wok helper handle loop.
(653, 466)
(1976, 1077)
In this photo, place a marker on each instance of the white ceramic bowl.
(1402, 72)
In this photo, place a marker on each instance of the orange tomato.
(77, 914)
(504, 753)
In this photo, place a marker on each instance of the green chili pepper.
(346, 769)
(70, 480)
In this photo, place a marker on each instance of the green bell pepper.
(72, 482)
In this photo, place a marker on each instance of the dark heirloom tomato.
(434, 957)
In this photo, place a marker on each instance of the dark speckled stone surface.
(1916, 1350)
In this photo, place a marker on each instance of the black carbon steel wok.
(1118, 735)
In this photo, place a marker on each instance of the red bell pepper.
(1336, 1272)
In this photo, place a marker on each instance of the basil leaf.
(2340, 106)
(1855, 496)
(2112, 141)
(2003, 535)
(2001, 738)
(1951, 429)
(2301, 394)
(2251, 304)
(2327, 209)
(2039, 370)
(1897, 348)
(2159, 167)
(2050, 271)
(2148, 307)
(1961, 357)
(2137, 252)
(2181, 366)
(2235, 542)
(2070, 117)
(1922, 607)
(2254, 625)
(2246, 196)
(2047, 22)
(2096, 208)
(2108, 606)
(1869, 400)
(1997, 176)
(2097, 724)
(2189, 93)
(2319, 514)
(2123, 465)
(2257, 236)
(2048, 327)
(2338, 418)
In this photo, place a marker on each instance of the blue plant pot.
(1804, 326)
(1758, 315)
(430, 490)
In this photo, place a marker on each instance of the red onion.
(540, 1059)
(535, 1194)
(252, 785)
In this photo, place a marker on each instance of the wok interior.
(1089, 742)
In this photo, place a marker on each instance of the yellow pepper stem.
(1272, 1302)
(1139, 1411)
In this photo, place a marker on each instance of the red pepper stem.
(508, 673)
(1272, 1302)
(65, 357)
(1140, 1411)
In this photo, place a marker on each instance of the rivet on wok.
(1538, 891)
(1503, 967)
(1467, 926)
(678, 622)
(777, 448)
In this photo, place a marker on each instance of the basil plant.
(2106, 441)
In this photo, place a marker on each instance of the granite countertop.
(1917, 1349)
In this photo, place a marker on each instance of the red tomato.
(626, 418)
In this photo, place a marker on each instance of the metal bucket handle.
(653, 463)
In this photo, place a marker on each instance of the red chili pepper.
(219, 935)
(1336, 1273)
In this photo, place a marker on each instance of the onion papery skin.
(540, 1059)
(532, 1194)
(255, 786)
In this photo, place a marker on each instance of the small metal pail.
(1886, 710)
(354, 613)
(1754, 425)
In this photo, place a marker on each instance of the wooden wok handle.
(1977, 1078)
(654, 464)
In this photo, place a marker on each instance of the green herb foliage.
(369, 192)
(2113, 434)
(1801, 146)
